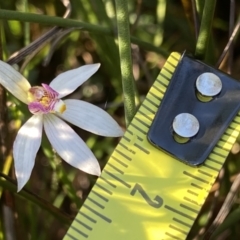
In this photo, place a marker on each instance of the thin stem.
(231, 28)
(2, 111)
(205, 29)
(3, 118)
(35, 46)
(24, 52)
(160, 14)
(55, 39)
(195, 18)
(49, 20)
(9, 184)
(138, 14)
(199, 7)
(62, 22)
(26, 24)
(230, 42)
(226, 207)
(126, 59)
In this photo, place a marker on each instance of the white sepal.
(91, 118)
(67, 82)
(25, 148)
(69, 145)
(14, 82)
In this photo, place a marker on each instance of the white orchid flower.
(48, 110)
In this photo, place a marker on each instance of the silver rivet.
(185, 125)
(209, 84)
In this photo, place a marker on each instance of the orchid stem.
(3, 119)
(205, 29)
(67, 23)
(126, 59)
(9, 184)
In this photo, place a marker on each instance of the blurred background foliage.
(165, 24)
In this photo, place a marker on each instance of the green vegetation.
(131, 40)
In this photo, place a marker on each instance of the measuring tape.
(144, 193)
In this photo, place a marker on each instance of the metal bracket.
(214, 115)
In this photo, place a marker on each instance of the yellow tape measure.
(144, 193)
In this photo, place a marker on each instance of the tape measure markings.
(141, 148)
(100, 196)
(123, 155)
(172, 236)
(179, 212)
(104, 189)
(192, 201)
(128, 131)
(96, 203)
(119, 161)
(210, 167)
(218, 151)
(127, 139)
(228, 133)
(195, 177)
(166, 68)
(215, 158)
(80, 232)
(164, 80)
(177, 229)
(126, 142)
(182, 223)
(155, 94)
(193, 184)
(147, 108)
(118, 179)
(124, 146)
(156, 97)
(197, 186)
(182, 213)
(222, 144)
(233, 125)
(205, 173)
(193, 210)
(192, 192)
(172, 66)
(159, 90)
(87, 217)
(151, 102)
(189, 208)
(84, 225)
(145, 115)
(98, 214)
(117, 169)
(143, 129)
(221, 150)
(105, 180)
(166, 73)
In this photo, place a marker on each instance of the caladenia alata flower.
(49, 111)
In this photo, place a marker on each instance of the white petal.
(69, 145)
(14, 82)
(67, 82)
(91, 118)
(25, 148)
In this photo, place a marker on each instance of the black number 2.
(158, 200)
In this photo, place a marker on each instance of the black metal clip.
(213, 114)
